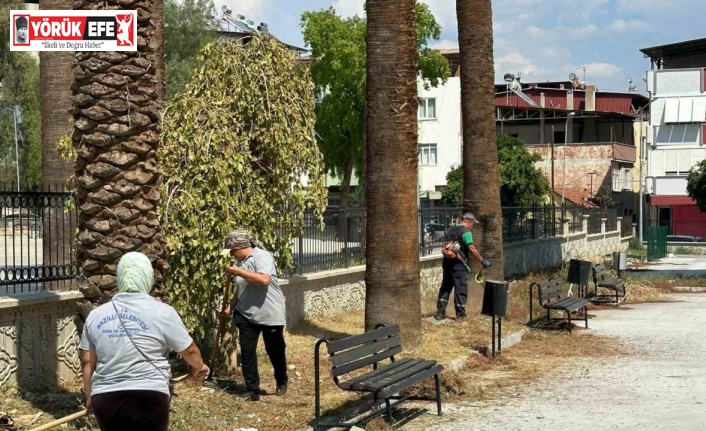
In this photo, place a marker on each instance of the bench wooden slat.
(569, 304)
(404, 384)
(550, 290)
(370, 360)
(365, 350)
(356, 340)
(379, 373)
(401, 374)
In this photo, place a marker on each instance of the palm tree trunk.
(392, 252)
(56, 77)
(481, 176)
(117, 106)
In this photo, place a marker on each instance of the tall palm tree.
(56, 77)
(117, 106)
(481, 176)
(392, 272)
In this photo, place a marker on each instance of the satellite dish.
(509, 77)
(573, 77)
(224, 8)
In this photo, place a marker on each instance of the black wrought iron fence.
(626, 227)
(37, 245)
(534, 222)
(594, 221)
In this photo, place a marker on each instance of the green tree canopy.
(521, 183)
(696, 184)
(188, 26)
(235, 147)
(19, 74)
(338, 69)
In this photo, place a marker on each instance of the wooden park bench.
(552, 297)
(602, 277)
(351, 355)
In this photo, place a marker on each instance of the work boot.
(440, 315)
(281, 390)
(250, 396)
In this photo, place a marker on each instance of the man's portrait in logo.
(21, 30)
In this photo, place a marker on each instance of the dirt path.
(661, 388)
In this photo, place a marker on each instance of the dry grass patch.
(217, 407)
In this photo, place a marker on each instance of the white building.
(675, 137)
(440, 135)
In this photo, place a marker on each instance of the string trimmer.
(456, 248)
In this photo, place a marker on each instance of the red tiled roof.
(577, 197)
(671, 200)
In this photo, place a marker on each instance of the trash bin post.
(495, 299)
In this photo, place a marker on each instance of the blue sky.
(542, 39)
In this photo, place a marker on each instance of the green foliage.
(521, 183)
(188, 26)
(19, 73)
(338, 69)
(452, 195)
(696, 184)
(234, 148)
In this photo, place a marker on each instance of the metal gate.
(656, 242)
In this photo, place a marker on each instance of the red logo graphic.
(125, 33)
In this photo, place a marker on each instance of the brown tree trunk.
(392, 272)
(117, 106)
(157, 45)
(56, 77)
(481, 176)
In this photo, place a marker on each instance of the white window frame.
(424, 104)
(428, 149)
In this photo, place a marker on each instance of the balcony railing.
(667, 185)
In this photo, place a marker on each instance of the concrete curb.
(507, 342)
(694, 289)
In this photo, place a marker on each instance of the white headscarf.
(135, 273)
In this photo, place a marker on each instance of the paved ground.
(661, 388)
(675, 265)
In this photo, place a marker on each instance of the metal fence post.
(420, 220)
(300, 268)
(345, 237)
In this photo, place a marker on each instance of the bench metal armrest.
(317, 384)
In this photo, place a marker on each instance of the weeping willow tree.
(238, 149)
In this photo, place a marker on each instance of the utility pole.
(569, 118)
(592, 174)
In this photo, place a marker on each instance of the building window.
(427, 109)
(439, 189)
(675, 173)
(427, 154)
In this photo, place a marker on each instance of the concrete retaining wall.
(38, 339)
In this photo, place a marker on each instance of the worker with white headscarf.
(124, 353)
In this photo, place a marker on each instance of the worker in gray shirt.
(124, 353)
(257, 307)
